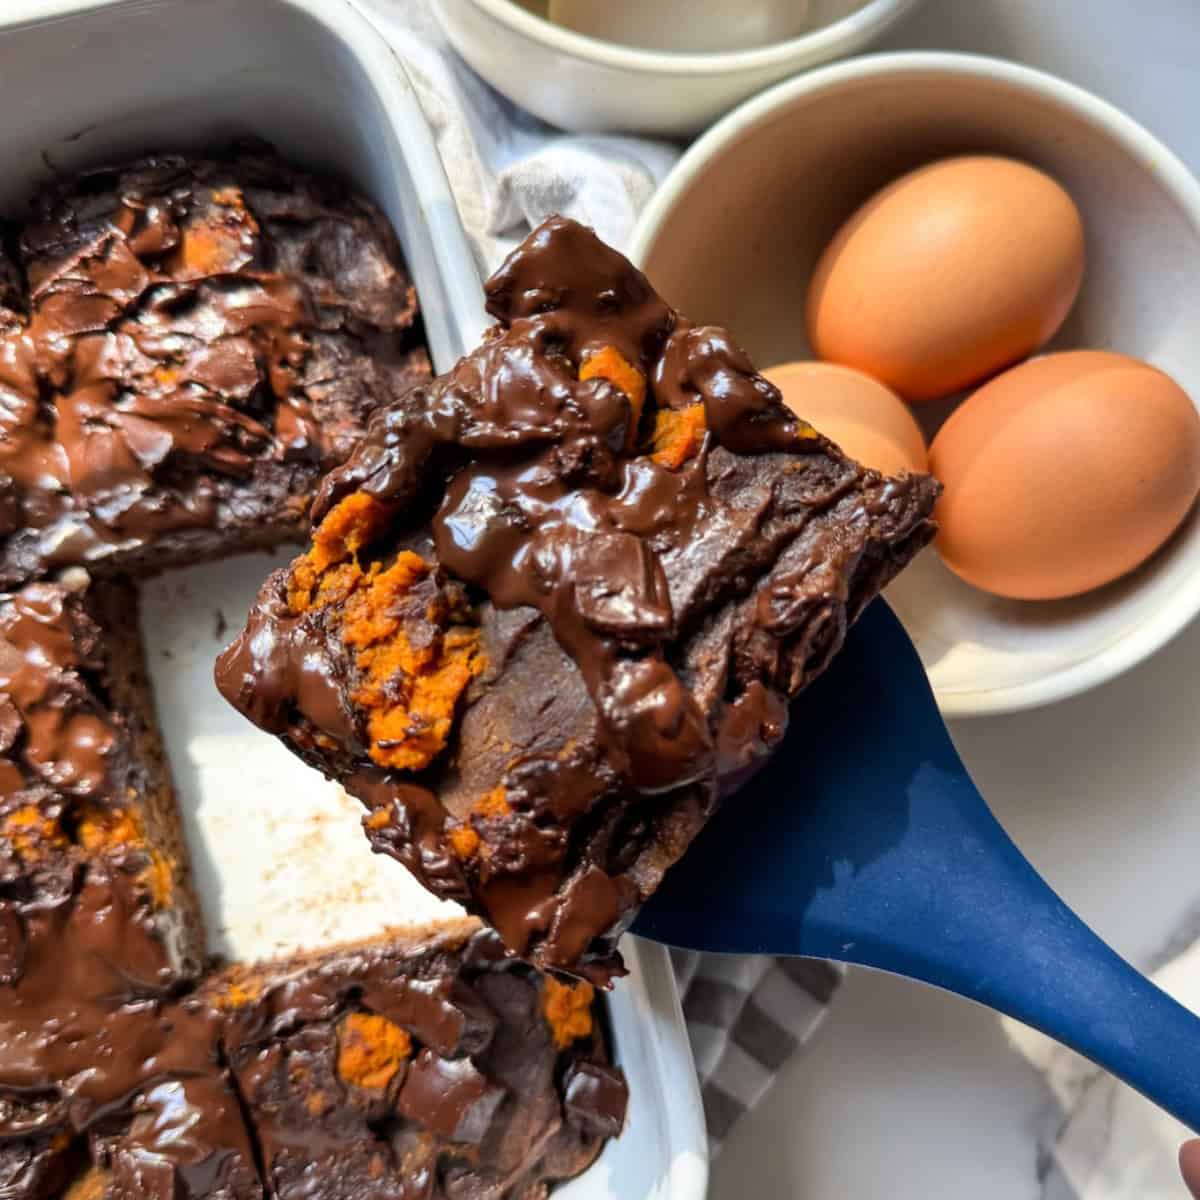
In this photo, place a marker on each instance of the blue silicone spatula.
(865, 840)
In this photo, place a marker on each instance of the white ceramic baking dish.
(280, 862)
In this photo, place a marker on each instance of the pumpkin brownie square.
(556, 602)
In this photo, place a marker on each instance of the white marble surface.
(908, 1093)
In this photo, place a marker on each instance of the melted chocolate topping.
(95, 944)
(52, 730)
(198, 341)
(624, 481)
(548, 511)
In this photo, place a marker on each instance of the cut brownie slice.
(85, 788)
(417, 1066)
(557, 601)
(198, 341)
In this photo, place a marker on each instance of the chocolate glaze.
(595, 1097)
(449, 1096)
(197, 341)
(644, 615)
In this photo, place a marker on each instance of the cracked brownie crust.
(185, 346)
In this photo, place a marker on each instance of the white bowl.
(733, 234)
(583, 84)
(313, 77)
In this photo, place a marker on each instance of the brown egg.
(1064, 474)
(950, 273)
(870, 423)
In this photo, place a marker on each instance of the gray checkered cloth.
(746, 1016)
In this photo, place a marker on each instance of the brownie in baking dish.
(425, 1066)
(556, 602)
(185, 346)
(416, 1065)
(98, 923)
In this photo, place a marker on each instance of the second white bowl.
(583, 83)
(733, 234)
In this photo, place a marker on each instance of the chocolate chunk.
(442, 1013)
(449, 1096)
(595, 1098)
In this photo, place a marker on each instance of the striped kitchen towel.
(746, 1016)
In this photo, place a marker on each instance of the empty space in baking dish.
(281, 861)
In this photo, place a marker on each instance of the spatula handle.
(989, 928)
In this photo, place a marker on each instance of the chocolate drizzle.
(657, 555)
(199, 341)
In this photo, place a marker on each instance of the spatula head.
(823, 836)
